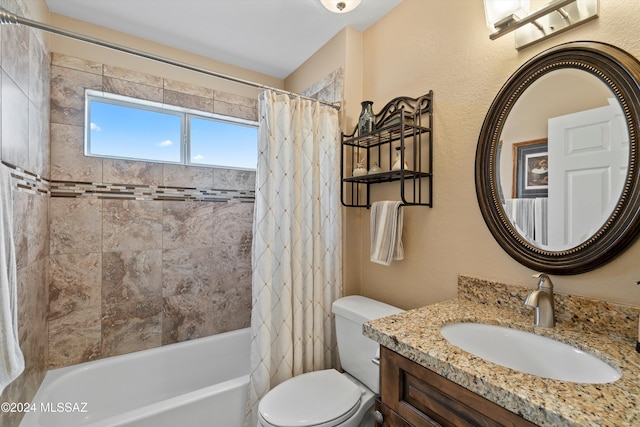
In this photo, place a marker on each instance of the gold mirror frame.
(620, 71)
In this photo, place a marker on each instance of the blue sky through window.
(122, 131)
(146, 133)
(218, 143)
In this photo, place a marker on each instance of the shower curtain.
(297, 248)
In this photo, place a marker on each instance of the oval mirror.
(557, 158)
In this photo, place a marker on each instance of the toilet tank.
(356, 350)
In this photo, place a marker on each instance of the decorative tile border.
(147, 192)
(34, 184)
(28, 182)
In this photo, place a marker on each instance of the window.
(128, 128)
(218, 142)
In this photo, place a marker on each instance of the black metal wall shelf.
(387, 176)
(405, 125)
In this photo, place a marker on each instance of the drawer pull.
(377, 417)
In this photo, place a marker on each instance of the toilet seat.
(315, 399)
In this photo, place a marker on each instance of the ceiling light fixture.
(340, 6)
(558, 16)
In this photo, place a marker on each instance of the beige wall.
(444, 45)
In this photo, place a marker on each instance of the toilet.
(329, 398)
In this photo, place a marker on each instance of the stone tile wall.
(329, 89)
(142, 254)
(24, 143)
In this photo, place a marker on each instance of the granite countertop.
(416, 335)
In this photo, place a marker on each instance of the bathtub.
(195, 383)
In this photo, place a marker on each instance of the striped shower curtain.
(296, 257)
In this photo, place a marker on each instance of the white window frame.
(182, 112)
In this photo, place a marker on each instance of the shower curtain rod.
(7, 17)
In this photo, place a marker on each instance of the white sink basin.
(529, 353)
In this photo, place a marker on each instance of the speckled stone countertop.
(605, 330)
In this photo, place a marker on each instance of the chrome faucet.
(542, 300)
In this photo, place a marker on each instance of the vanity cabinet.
(403, 129)
(412, 395)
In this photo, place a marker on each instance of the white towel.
(541, 213)
(521, 213)
(11, 359)
(386, 232)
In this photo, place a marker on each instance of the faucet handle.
(544, 282)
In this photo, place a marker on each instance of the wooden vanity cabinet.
(412, 395)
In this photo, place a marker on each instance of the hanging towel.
(541, 213)
(386, 232)
(11, 359)
(521, 214)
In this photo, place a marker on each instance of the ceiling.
(273, 37)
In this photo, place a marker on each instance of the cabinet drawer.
(425, 398)
(390, 418)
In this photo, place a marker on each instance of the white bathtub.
(196, 383)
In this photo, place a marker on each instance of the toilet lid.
(322, 398)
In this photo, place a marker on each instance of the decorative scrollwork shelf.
(404, 126)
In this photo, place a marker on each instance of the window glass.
(134, 133)
(129, 128)
(220, 143)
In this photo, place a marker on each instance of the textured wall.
(446, 47)
(24, 110)
(142, 254)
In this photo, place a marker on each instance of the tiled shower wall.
(142, 254)
(24, 76)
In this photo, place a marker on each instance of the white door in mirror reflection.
(588, 154)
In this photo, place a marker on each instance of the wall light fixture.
(506, 16)
(340, 6)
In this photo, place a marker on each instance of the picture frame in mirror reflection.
(530, 169)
